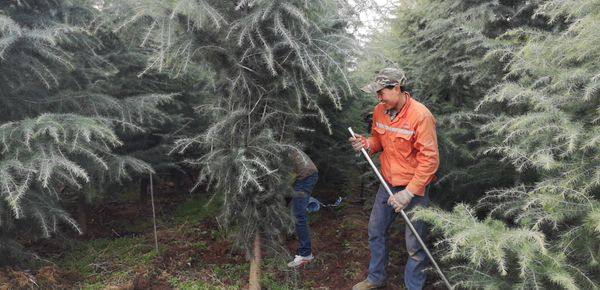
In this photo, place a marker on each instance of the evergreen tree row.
(66, 111)
(514, 86)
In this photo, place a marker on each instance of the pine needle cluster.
(58, 129)
(542, 117)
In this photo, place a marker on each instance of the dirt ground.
(340, 245)
(195, 254)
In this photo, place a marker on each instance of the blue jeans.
(382, 216)
(303, 189)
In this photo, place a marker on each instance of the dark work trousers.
(303, 190)
(382, 216)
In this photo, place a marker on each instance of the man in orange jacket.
(404, 130)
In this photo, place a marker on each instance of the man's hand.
(359, 142)
(400, 199)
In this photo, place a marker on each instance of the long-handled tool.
(404, 216)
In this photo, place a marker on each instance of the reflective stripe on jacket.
(410, 154)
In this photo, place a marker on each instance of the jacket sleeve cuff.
(416, 190)
(374, 145)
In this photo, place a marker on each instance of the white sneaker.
(300, 260)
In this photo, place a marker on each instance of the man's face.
(389, 96)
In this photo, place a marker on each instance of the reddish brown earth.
(48, 277)
(192, 252)
(340, 245)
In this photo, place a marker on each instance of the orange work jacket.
(410, 154)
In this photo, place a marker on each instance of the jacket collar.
(405, 108)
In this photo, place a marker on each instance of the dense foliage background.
(210, 95)
(514, 86)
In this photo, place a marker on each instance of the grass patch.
(231, 272)
(104, 261)
(270, 280)
(202, 245)
(196, 209)
(176, 283)
(353, 271)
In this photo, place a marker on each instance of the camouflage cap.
(386, 77)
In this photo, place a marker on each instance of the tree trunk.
(255, 265)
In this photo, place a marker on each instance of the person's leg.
(303, 189)
(382, 216)
(414, 273)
